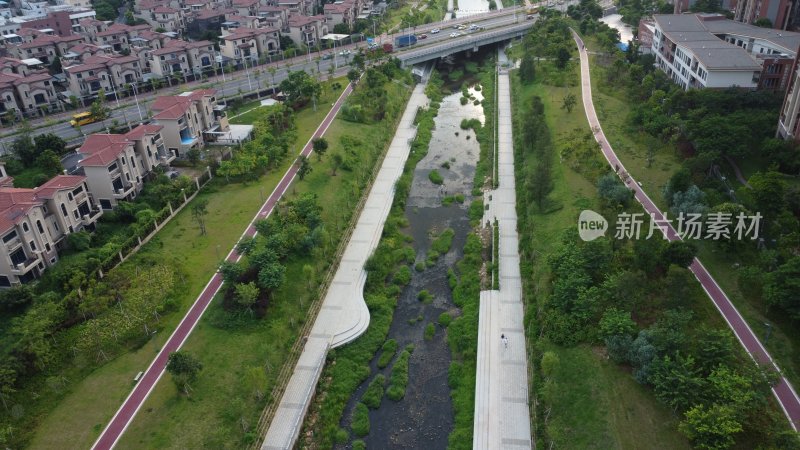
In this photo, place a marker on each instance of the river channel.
(424, 417)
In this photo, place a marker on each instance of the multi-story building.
(708, 50)
(236, 21)
(183, 58)
(163, 17)
(777, 11)
(144, 44)
(274, 17)
(341, 12)
(241, 44)
(246, 7)
(31, 94)
(116, 165)
(307, 30)
(190, 120)
(34, 223)
(97, 72)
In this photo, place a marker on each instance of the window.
(18, 257)
(70, 197)
(77, 190)
(7, 238)
(32, 245)
(55, 224)
(133, 163)
(63, 210)
(47, 247)
(39, 226)
(112, 167)
(4, 282)
(25, 227)
(75, 214)
(123, 162)
(53, 260)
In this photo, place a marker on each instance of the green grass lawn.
(632, 146)
(241, 362)
(80, 416)
(252, 110)
(596, 403)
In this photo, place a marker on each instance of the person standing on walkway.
(504, 340)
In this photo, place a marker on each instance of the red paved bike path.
(109, 437)
(783, 391)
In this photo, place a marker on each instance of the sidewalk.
(344, 315)
(502, 413)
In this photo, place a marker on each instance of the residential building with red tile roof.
(182, 57)
(190, 119)
(109, 73)
(34, 223)
(307, 30)
(244, 43)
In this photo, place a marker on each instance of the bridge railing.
(482, 38)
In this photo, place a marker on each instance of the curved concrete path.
(502, 414)
(125, 414)
(783, 391)
(344, 315)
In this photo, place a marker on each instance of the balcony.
(165, 157)
(26, 266)
(124, 192)
(94, 214)
(13, 244)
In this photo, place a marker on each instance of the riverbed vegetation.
(348, 367)
(626, 310)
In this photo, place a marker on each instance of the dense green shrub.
(430, 330)
(360, 423)
(445, 319)
(374, 394)
(387, 353)
(398, 380)
(435, 177)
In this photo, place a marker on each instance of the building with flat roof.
(710, 51)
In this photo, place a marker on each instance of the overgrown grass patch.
(374, 394)
(388, 350)
(398, 380)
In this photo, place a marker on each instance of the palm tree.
(272, 71)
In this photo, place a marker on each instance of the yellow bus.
(81, 119)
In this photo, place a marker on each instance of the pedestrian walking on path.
(504, 340)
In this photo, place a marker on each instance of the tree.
(98, 109)
(680, 253)
(782, 286)
(184, 369)
(692, 201)
(320, 147)
(199, 211)
(272, 71)
(613, 190)
(193, 155)
(300, 87)
(562, 57)
(677, 381)
(549, 364)
(247, 294)
(303, 167)
(50, 141)
(679, 182)
(50, 163)
(768, 193)
(129, 19)
(711, 428)
(353, 75)
(527, 68)
(271, 275)
(231, 271)
(616, 322)
(23, 145)
(569, 102)
(336, 162)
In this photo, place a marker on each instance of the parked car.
(344, 52)
(422, 36)
(461, 27)
(172, 174)
(435, 30)
(454, 34)
(327, 56)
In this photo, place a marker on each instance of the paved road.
(784, 393)
(502, 414)
(123, 417)
(343, 315)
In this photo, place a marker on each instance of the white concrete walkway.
(344, 315)
(502, 415)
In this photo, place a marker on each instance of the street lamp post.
(136, 97)
(247, 72)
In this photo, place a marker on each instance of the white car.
(344, 53)
(454, 34)
(435, 30)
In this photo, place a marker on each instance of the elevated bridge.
(473, 41)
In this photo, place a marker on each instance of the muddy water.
(424, 418)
